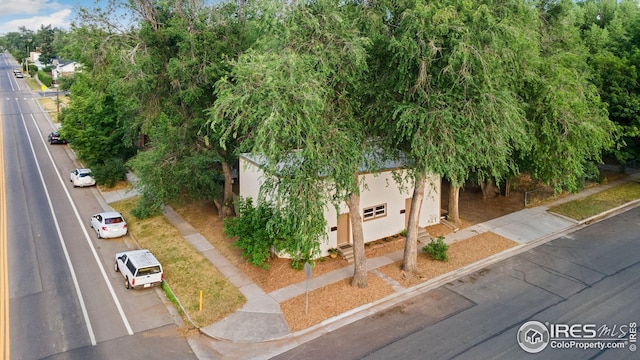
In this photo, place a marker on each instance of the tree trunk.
(360, 259)
(489, 190)
(454, 194)
(410, 261)
(241, 4)
(227, 200)
(507, 188)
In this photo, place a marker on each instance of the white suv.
(139, 268)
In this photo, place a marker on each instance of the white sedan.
(82, 177)
(109, 224)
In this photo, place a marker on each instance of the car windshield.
(85, 174)
(115, 220)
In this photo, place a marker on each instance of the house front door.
(407, 211)
(344, 230)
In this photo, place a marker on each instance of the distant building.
(64, 67)
(34, 56)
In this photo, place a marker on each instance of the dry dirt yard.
(340, 297)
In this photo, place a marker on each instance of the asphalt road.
(588, 277)
(65, 300)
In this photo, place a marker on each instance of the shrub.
(146, 207)
(437, 249)
(251, 228)
(44, 78)
(65, 82)
(109, 173)
(265, 228)
(403, 233)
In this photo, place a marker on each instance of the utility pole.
(56, 76)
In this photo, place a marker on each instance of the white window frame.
(374, 212)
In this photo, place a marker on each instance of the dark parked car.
(54, 138)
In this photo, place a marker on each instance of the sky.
(34, 13)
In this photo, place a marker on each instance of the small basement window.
(374, 212)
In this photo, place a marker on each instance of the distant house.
(34, 56)
(384, 206)
(64, 67)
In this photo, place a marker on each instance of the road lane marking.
(4, 259)
(85, 314)
(84, 231)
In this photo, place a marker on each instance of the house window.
(374, 212)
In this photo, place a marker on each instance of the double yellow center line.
(4, 256)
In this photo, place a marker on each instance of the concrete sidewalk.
(258, 330)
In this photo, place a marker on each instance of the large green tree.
(294, 96)
(43, 41)
(184, 48)
(162, 72)
(450, 100)
(19, 43)
(95, 121)
(567, 121)
(610, 31)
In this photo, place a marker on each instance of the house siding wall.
(250, 177)
(380, 189)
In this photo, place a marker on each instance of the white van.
(139, 268)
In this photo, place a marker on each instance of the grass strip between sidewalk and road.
(50, 105)
(32, 83)
(600, 202)
(186, 270)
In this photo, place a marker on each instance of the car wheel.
(126, 283)
(99, 235)
(115, 267)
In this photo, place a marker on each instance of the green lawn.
(600, 202)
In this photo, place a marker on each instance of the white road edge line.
(10, 82)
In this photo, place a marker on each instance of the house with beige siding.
(384, 204)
